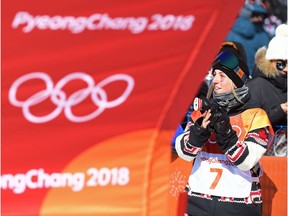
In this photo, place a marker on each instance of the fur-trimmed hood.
(265, 66)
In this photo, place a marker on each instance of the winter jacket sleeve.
(245, 154)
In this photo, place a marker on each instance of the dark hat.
(250, 9)
(232, 60)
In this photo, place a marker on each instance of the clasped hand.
(218, 122)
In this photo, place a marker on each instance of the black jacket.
(268, 89)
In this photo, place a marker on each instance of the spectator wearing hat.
(248, 29)
(225, 138)
(269, 81)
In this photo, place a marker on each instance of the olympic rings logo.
(60, 99)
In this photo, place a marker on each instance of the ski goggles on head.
(227, 60)
(228, 63)
(281, 64)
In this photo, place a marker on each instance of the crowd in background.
(256, 24)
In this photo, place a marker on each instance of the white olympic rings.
(59, 97)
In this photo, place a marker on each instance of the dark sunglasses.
(281, 64)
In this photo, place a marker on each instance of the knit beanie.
(278, 45)
(240, 73)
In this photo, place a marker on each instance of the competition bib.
(219, 177)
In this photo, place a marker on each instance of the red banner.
(92, 92)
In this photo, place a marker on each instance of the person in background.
(248, 29)
(277, 15)
(225, 139)
(268, 85)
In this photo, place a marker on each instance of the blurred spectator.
(248, 29)
(277, 8)
(270, 24)
(277, 14)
